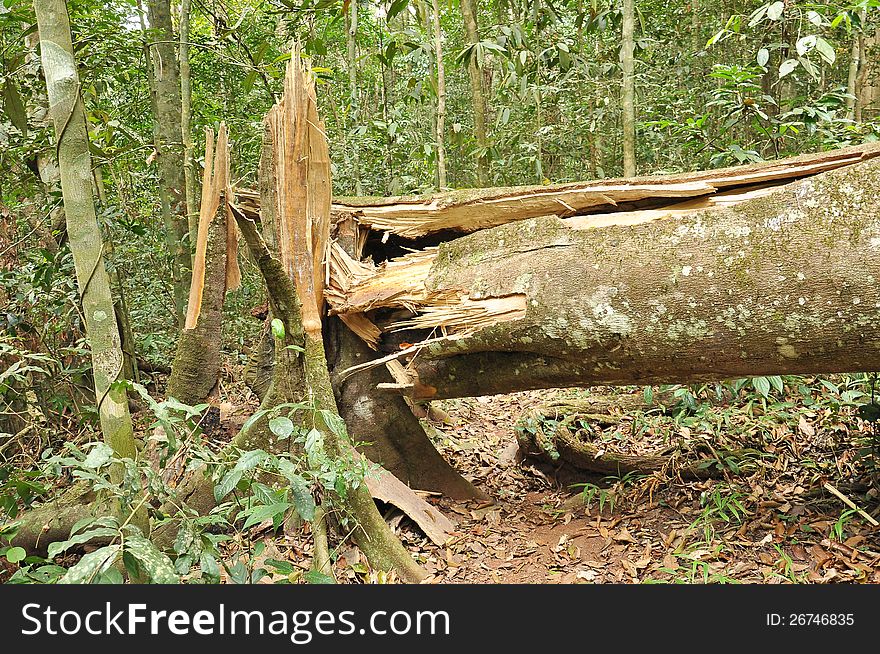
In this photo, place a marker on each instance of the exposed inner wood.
(471, 210)
(474, 209)
(395, 294)
(214, 182)
(303, 170)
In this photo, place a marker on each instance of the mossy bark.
(196, 368)
(787, 283)
(384, 426)
(170, 148)
(556, 442)
(86, 244)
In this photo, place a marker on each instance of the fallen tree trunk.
(780, 280)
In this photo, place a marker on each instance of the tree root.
(548, 435)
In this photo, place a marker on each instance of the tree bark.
(84, 234)
(478, 98)
(196, 369)
(554, 433)
(189, 165)
(351, 27)
(170, 149)
(868, 83)
(628, 93)
(855, 64)
(441, 97)
(786, 281)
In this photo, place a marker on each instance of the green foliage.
(253, 489)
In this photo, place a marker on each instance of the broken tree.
(766, 269)
(196, 368)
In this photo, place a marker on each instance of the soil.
(537, 531)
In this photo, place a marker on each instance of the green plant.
(838, 529)
(251, 487)
(721, 504)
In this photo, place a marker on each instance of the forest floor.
(775, 524)
(766, 518)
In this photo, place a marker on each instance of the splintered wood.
(471, 210)
(303, 188)
(357, 287)
(215, 189)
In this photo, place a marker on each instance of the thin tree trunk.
(351, 27)
(170, 149)
(86, 244)
(628, 96)
(441, 97)
(469, 12)
(126, 334)
(867, 84)
(855, 64)
(190, 175)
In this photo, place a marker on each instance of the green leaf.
(715, 38)
(315, 577)
(281, 426)
(262, 512)
(277, 328)
(805, 44)
(56, 548)
(227, 483)
(314, 442)
(210, 569)
(762, 385)
(238, 573)
(282, 567)
(776, 382)
(155, 563)
(249, 423)
(334, 423)
(14, 107)
(825, 50)
(302, 497)
(774, 11)
(15, 554)
(91, 565)
(763, 56)
(396, 7)
(787, 66)
(98, 456)
(250, 460)
(110, 576)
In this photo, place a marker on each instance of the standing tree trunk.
(196, 368)
(170, 149)
(351, 27)
(189, 169)
(855, 64)
(469, 12)
(86, 244)
(441, 97)
(628, 96)
(868, 84)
